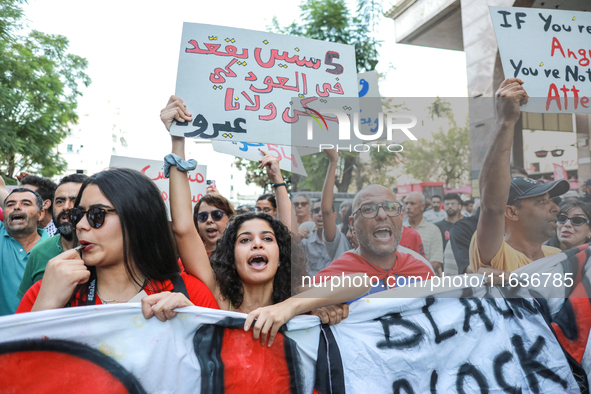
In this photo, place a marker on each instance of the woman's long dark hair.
(291, 268)
(147, 239)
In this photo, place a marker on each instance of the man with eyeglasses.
(517, 214)
(23, 209)
(377, 223)
(63, 201)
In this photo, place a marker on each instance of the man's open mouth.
(382, 233)
(18, 217)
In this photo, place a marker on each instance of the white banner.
(499, 342)
(549, 50)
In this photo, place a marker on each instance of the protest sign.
(550, 50)
(154, 170)
(251, 86)
(289, 157)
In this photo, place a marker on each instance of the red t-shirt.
(199, 294)
(412, 239)
(350, 263)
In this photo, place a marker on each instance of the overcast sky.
(133, 48)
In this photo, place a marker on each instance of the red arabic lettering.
(160, 174)
(338, 89)
(254, 106)
(280, 84)
(216, 76)
(312, 63)
(251, 77)
(198, 178)
(164, 196)
(212, 49)
(271, 107)
(229, 102)
(199, 196)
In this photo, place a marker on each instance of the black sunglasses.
(316, 210)
(94, 215)
(576, 221)
(215, 215)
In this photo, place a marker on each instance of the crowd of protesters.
(105, 238)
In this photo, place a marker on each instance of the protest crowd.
(106, 239)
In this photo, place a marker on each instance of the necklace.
(104, 301)
(107, 301)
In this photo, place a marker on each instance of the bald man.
(377, 222)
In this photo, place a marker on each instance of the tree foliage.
(330, 20)
(39, 88)
(444, 158)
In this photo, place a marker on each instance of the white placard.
(153, 169)
(251, 86)
(550, 51)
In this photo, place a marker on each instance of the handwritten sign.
(550, 50)
(251, 86)
(153, 169)
(289, 157)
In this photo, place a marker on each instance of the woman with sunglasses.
(573, 225)
(254, 268)
(126, 249)
(211, 215)
(266, 204)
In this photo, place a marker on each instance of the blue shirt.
(13, 260)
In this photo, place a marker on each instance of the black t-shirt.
(444, 227)
(460, 236)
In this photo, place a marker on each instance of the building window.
(70, 148)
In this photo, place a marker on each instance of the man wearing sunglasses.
(63, 202)
(517, 214)
(23, 209)
(377, 223)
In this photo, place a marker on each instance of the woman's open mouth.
(258, 261)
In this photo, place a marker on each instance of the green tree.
(39, 87)
(329, 20)
(444, 158)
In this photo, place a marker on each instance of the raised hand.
(174, 110)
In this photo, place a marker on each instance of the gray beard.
(363, 239)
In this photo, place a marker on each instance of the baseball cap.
(522, 187)
(588, 183)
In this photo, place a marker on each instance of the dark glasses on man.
(215, 215)
(370, 210)
(300, 204)
(316, 211)
(94, 215)
(575, 221)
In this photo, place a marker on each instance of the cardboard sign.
(251, 86)
(153, 169)
(289, 157)
(550, 50)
